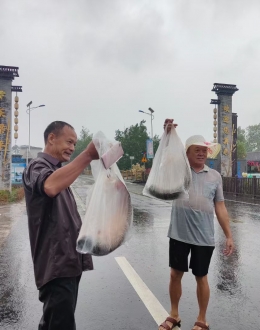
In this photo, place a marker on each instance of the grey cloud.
(89, 59)
(132, 39)
(225, 11)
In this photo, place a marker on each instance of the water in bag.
(170, 174)
(109, 214)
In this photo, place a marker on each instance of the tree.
(253, 138)
(133, 140)
(241, 143)
(84, 139)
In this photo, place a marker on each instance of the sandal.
(200, 326)
(174, 322)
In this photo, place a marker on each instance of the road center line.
(154, 307)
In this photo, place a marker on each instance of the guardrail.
(242, 186)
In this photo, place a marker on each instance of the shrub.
(15, 195)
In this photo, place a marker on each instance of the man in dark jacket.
(54, 224)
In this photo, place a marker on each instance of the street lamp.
(152, 117)
(28, 111)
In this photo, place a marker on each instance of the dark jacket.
(54, 225)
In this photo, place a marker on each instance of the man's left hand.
(229, 247)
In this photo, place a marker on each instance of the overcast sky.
(95, 63)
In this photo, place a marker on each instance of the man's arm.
(223, 219)
(66, 175)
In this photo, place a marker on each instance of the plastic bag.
(109, 212)
(170, 174)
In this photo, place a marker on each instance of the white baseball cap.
(198, 140)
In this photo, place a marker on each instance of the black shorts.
(199, 261)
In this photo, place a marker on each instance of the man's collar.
(50, 159)
(205, 169)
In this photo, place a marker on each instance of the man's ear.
(51, 138)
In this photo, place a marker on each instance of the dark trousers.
(59, 298)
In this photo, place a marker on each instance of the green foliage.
(248, 140)
(241, 150)
(241, 143)
(253, 138)
(84, 139)
(15, 195)
(133, 140)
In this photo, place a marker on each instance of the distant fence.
(242, 186)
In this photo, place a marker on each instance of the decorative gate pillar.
(7, 74)
(225, 128)
(234, 153)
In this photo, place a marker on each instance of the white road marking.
(154, 307)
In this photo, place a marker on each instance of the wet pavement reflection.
(234, 280)
(8, 215)
(14, 271)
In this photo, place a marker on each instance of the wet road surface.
(106, 297)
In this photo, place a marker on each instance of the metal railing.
(242, 186)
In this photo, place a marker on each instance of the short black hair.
(55, 127)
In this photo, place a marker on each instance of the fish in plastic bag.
(170, 174)
(109, 213)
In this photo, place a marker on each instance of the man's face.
(197, 155)
(64, 144)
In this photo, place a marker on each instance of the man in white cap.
(191, 229)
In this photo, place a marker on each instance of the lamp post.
(132, 158)
(152, 117)
(28, 111)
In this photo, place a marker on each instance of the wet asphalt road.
(106, 298)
